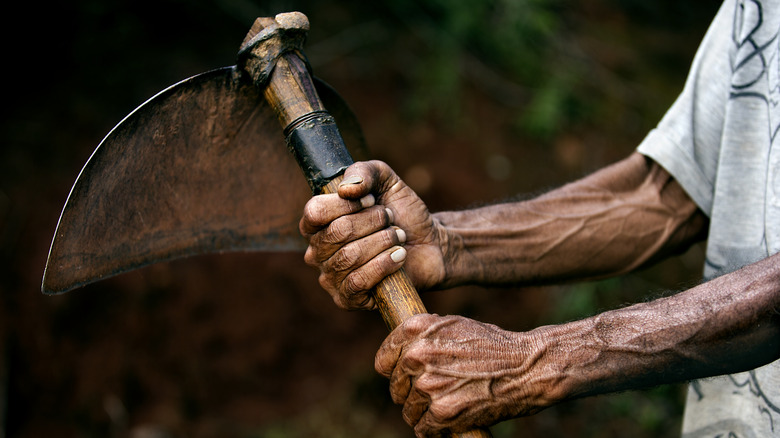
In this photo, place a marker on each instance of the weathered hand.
(452, 373)
(368, 231)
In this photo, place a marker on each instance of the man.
(710, 170)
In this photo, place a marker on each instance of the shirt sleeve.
(687, 140)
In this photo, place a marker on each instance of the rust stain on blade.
(201, 167)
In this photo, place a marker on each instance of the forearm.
(727, 325)
(451, 372)
(608, 223)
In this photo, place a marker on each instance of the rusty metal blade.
(201, 167)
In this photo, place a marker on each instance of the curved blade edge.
(201, 167)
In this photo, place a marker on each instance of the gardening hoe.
(200, 168)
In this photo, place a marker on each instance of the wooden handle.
(397, 300)
(396, 297)
(314, 140)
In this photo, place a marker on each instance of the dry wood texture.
(291, 93)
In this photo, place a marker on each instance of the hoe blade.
(201, 167)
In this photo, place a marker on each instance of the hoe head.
(201, 167)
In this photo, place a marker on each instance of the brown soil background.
(248, 345)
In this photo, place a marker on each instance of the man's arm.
(451, 373)
(608, 223)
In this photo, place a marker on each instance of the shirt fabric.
(718, 141)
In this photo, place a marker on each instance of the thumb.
(361, 179)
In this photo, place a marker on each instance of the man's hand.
(453, 373)
(368, 231)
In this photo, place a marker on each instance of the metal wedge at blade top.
(199, 168)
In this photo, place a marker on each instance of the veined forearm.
(608, 223)
(727, 325)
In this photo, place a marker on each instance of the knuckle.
(415, 358)
(304, 228)
(340, 230)
(379, 216)
(340, 302)
(398, 398)
(418, 324)
(346, 258)
(326, 282)
(390, 238)
(362, 168)
(424, 429)
(314, 214)
(424, 384)
(376, 166)
(360, 301)
(310, 257)
(442, 412)
(356, 282)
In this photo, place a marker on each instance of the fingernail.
(401, 235)
(398, 255)
(367, 201)
(390, 215)
(354, 179)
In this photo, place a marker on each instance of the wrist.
(489, 246)
(570, 361)
(562, 361)
(535, 373)
(607, 353)
(460, 266)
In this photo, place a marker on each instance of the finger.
(362, 251)
(400, 385)
(365, 277)
(366, 177)
(441, 418)
(389, 352)
(371, 223)
(351, 289)
(359, 301)
(423, 428)
(321, 210)
(415, 407)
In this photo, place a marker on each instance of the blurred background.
(471, 102)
